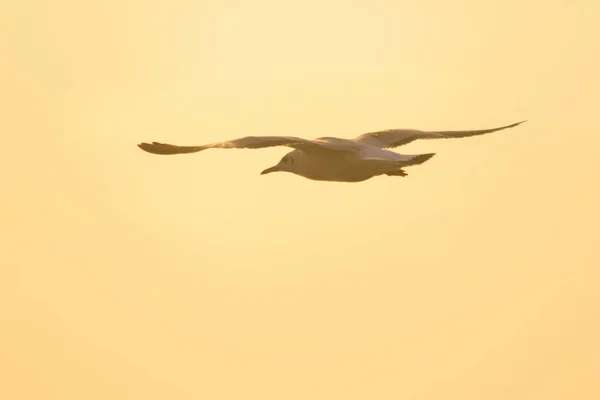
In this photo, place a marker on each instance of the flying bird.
(335, 159)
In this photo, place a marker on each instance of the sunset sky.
(126, 275)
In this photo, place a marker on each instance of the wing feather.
(397, 137)
(248, 142)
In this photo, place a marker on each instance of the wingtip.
(168, 149)
(513, 125)
(150, 148)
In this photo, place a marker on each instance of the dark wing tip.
(164, 148)
(157, 148)
(150, 148)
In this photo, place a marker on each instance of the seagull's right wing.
(249, 142)
(398, 137)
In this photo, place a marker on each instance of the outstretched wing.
(249, 142)
(398, 137)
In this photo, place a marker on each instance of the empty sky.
(126, 275)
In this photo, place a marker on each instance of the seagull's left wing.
(398, 137)
(249, 142)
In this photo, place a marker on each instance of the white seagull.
(335, 159)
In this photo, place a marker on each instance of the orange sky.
(132, 276)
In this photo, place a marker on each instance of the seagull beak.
(269, 170)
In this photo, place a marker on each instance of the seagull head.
(289, 163)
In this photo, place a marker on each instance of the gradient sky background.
(131, 276)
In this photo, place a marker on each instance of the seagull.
(335, 159)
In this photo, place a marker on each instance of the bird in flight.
(335, 159)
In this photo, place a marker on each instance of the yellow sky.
(131, 276)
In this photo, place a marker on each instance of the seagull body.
(334, 159)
